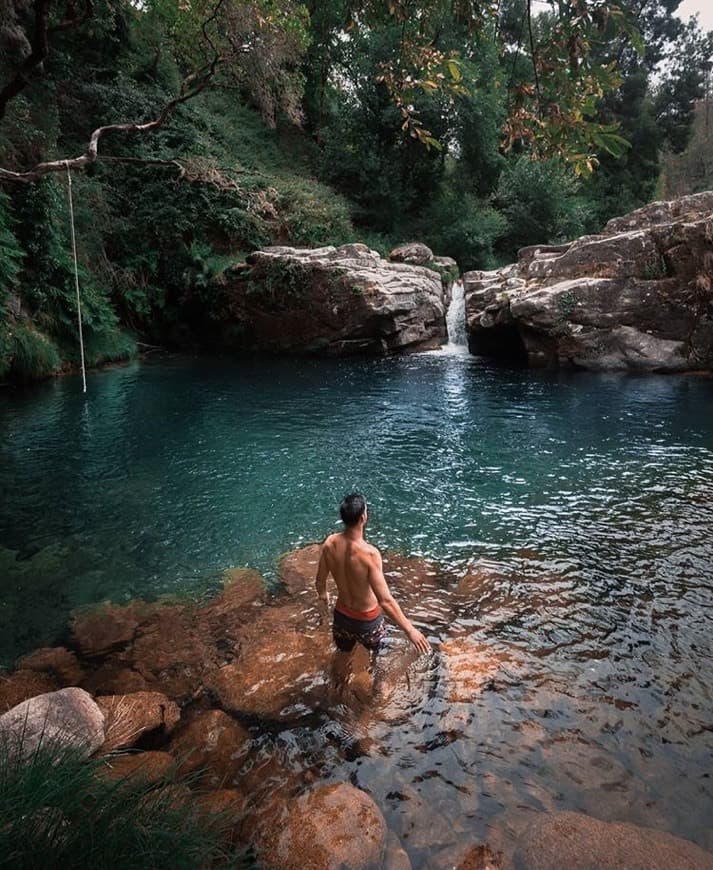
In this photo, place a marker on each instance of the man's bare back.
(363, 593)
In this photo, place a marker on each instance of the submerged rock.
(639, 296)
(472, 668)
(334, 301)
(332, 827)
(68, 718)
(213, 743)
(279, 675)
(58, 662)
(572, 841)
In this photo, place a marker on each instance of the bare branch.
(191, 87)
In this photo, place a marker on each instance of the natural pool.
(591, 494)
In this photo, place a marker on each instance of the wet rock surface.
(572, 841)
(240, 694)
(334, 301)
(638, 297)
(333, 826)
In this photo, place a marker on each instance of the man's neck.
(354, 533)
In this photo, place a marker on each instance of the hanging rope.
(76, 276)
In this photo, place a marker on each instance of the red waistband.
(358, 614)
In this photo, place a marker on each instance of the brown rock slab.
(149, 768)
(57, 661)
(472, 667)
(114, 678)
(330, 827)
(213, 742)
(108, 626)
(419, 586)
(66, 718)
(276, 676)
(297, 570)
(19, 686)
(173, 650)
(244, 592)
(572, 841)
(128, 717)
(463, 856)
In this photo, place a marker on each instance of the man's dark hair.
(351, 508)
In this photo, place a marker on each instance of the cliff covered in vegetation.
(221, 128)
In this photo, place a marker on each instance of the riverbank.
(235, 691)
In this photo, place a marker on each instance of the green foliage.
(542, 204)
(27, 354)
(58, 810)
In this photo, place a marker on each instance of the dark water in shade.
(592, 495)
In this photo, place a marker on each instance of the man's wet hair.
(352, 508)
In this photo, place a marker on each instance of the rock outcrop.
(573, 841)
(332, 826)
(331, 301)
(638, 297)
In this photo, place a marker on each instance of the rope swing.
(76, 276)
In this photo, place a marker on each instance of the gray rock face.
(637, 297)
(67, 718)
(572, 841)
(334, 301)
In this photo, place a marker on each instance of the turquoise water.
(592, 493)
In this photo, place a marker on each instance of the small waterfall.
(455, 318)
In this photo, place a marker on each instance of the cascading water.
(455, 319)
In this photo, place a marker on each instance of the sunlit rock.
(173, 651)
(149, 768)
(211, 742)
(635, 297)
(332, 827)
(222, 808)
(129, 717)
(108, 626)
(66, 718)
(415, 253)
(465, 857)
(334, 301)
(297, 570)
(572, 841)
(58, 662)
(279, 675)
(472, 667)
(241, 599)
(21, 685)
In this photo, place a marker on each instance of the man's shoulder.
(372, 552)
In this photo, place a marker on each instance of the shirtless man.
(362, 591)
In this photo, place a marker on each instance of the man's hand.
(419, 641)
(323, 607)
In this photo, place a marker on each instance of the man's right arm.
(390, 606)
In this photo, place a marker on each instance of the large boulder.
(67, 718)
(639, 296)
(332, 827)
(572, 841)
(334, 301)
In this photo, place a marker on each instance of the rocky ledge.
(335, 301)
(639, 296)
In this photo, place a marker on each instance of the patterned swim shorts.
(348, 631)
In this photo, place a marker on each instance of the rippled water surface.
(589, 497)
